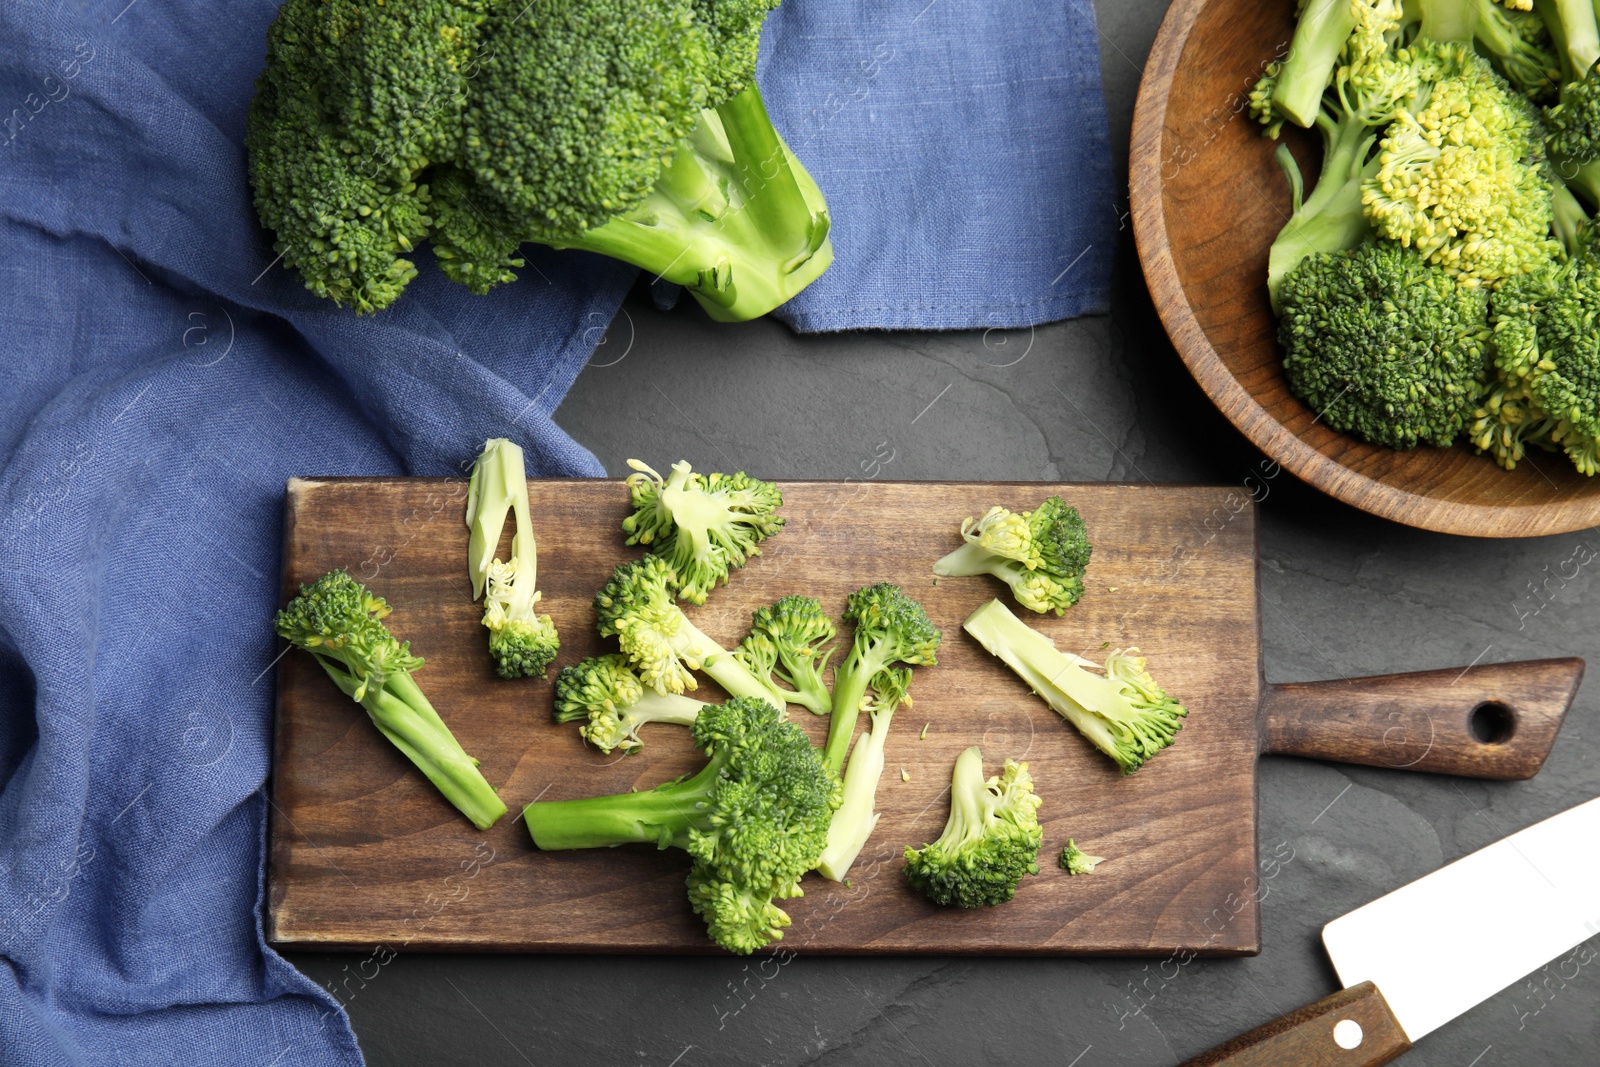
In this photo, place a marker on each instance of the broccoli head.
(522, 642)
(792, 641)
(638, 606)
(702, 524)
(337, 620)
(1041, 554)
(603, 694)
(753, 820)
(1384, 345)
(632, 130)
(891, 628)
(990, 841)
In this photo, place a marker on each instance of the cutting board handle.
(1492, 721)
(1352, 1028)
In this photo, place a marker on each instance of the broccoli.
(633, 130)
(855, 819)
(336, 619)
(1125, 714)
(990, 841)
(606, 696)
(792, 641)
(522, 642)
(702, 524)
(639, 607)
(890, 628)
(754, 820)
(1516, 40)
(1041, 554)
(1074, 861)
(1382, 344)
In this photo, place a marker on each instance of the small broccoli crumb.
(1074, 861)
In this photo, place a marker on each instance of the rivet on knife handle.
(1495, 720)
(1351, 1028)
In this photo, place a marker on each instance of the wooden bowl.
(1208, 200)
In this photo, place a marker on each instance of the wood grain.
(1305, 1038)
(1492, 721)
(1208, 200)
(363, 851)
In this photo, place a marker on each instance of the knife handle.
(1498, 720)
(1352, 1028)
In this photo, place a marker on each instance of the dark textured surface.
(1342, 594)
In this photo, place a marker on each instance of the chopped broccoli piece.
(791, 641)
(336, 619)
(1125, 714)
(1384, 345)
(701, 524)
(1041, 554)
(606, 696)
(855, 819)
(753, 820)
(990, 841)
(633, 130)
(890, 628)
(522, 642)
(639, 607)
(1074, 861)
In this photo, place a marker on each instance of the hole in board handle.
(1347, 1034)
(1492, 723)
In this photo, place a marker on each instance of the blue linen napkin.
(160, 378)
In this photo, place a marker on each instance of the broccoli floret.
(855, 819)
(1381, 344)
(990, 841)
(702, 524)
(1124, 714)
(638, 605)
(606, 696)
(522, 642)
(1516, 39)
(754, 820)
(792, 641)
(1074, 861)
(336, 619)
(1041, 554)
(1321, 36)
(890, 628)
(632, 130)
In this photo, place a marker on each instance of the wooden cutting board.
(364, 852)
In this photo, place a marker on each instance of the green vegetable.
(701, 524)
(754, 820)
(890, 628)
(606, 696)
(632, 130)
(522, 642)
(336, 619)
(990, 841)
(1041, 554)
(1124, 714)
(855, 819)
(1074, 861)
(638, 606)
(1382, 344)
(791, 641)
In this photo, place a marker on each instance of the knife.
(1415, 959)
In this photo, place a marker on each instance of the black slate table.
(1095, 398)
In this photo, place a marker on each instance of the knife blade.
(1418, 957)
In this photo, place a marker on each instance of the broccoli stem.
(734, 218)
(971, 558)
(726, 670)
(488, 501)
(1450, 20)
(524, 547)
(850, 683)
(970, 800)
(1313, 53)
(1569, 218)
(1331, 218)
(662, 816)
(1575, 32)
(674, 708)
(403, 715)
(855, 820)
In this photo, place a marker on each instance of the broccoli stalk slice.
(338, 622)
(1331, 218)
(855, 820)
(735, 218)
(522, 642)
(1124, 714)
(1319, 35)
